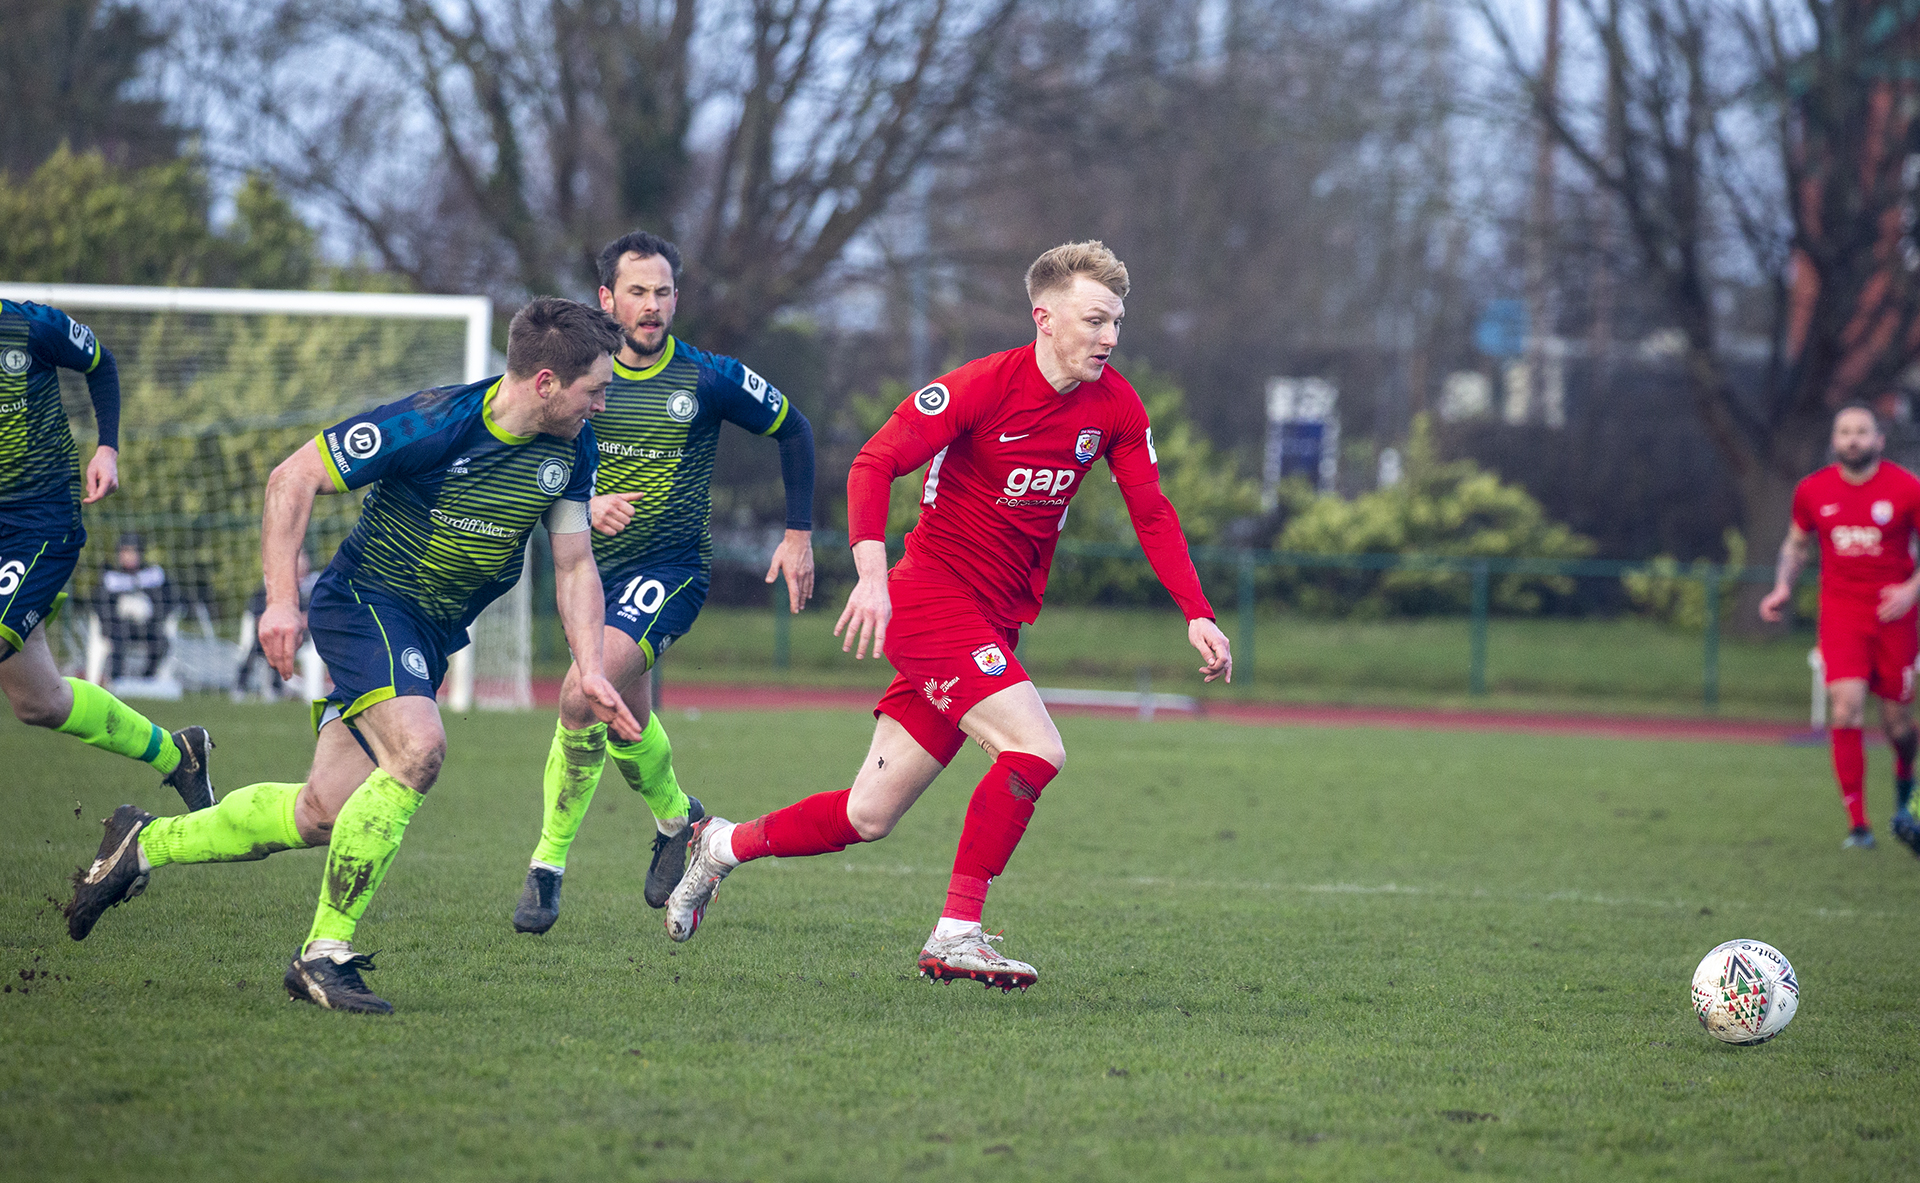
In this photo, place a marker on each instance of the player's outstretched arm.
(1793, 559)
(869, 606)
(576, 582)
(283, 530)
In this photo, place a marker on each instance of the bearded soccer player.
(1011, 439)
(1865, 511)
(463, 474)
(41, 536)
(657, 440)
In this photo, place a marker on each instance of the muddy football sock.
(574, 763)
(648, 766)
(100, 719)
(366, 836)
(246, 824)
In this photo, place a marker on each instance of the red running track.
(718, 696)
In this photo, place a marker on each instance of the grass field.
(1264, 954)
(1546, 664)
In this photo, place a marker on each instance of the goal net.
(217, 386)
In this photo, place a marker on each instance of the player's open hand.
(611, 512)
(103, 474)
(794, 558)
(869, 607)
(281, 628)
(1897, 601)
(1212, 644)
(1773, 602)
(610, 708)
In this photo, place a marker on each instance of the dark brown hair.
(564, 336)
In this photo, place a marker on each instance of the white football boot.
(970, 956)
(688, 903)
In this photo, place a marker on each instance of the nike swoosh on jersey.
(1007, 439)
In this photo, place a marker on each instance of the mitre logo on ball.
(991, 661)
(1882, 512)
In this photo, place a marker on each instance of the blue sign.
(1502, 329)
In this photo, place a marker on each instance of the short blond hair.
(1092, 259)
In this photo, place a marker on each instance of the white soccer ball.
(1745, 992)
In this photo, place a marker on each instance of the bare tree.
(1786, 129)
(764, 134)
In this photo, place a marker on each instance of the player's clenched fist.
(281, 628)
(612, 512)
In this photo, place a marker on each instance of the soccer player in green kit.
(464, 474)
(41, 536)
(653, 496)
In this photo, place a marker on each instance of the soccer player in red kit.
(1866, 511)
(1011, 439)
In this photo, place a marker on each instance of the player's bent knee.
(870, 828)
(37, 711)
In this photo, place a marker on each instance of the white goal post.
(206, 373)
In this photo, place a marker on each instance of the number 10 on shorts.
(644, 594)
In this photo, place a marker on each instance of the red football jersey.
(1866, 530)
(1009, 453)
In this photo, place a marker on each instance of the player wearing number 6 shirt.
(41, 492)
(460, 476)
(1865, 512)
(657, 441)
(1009, 440)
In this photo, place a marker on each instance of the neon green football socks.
(574, 763)
(648, 767)
(100, 719)
(246, 825)
(366, 836)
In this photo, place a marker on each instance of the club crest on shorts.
(415, 662)
(991, 661)
(1882, 512)
(553, 475)
(1087, 445)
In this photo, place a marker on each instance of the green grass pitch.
(1264, 954)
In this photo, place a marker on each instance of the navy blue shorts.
(654, 603)
(34, 569)
(376, 646)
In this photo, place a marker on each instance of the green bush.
(1676, 595)
(1438, 508)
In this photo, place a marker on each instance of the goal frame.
(475, 311)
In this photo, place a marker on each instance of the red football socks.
(1850, 769)
(997, 816)
(814, 825)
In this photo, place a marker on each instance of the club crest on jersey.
(682, 406)
(415, 662)
(362, 440)
(991, 661)
(1087, 445)
(14, 361)
(1882, 512)
(553, 475)
(933, 399)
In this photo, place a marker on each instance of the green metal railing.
(1246, 563)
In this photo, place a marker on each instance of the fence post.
(782, 625)
(1244, 659)
(1477, 662)
(1710, 672)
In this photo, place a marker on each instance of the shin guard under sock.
(997, 817)
(366, 836)
(1850, 769)
(100, 719)
(574, 763)
(647, 763)
(246, 824)
(813, 825)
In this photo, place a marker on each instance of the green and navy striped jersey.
(446, 529)
(39, 464)
(659, 435)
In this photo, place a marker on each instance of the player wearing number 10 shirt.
(1866, 514)
(1008, 441)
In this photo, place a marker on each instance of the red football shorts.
(947, 656)
(1854, 644)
